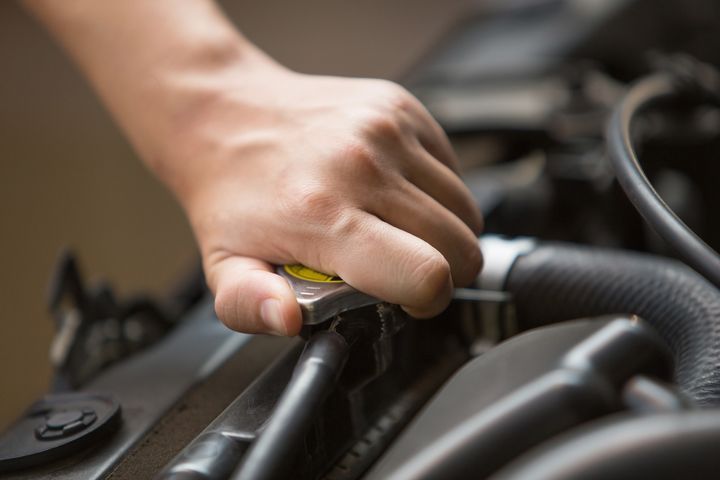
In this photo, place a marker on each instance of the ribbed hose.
(559, 282)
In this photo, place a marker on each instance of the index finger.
(391, 264)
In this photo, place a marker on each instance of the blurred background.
(68, 178)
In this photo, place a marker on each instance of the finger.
(412, 210)
(431, 135)
(442, 184)
(250, 298)
(388, 263)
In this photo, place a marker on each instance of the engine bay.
(589, 346)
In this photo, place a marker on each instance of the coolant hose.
(552, 282)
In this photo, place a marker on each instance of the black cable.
(275, 451)
(632, 179)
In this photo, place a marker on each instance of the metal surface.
(500, 254)
(475, 295)
(322, 300)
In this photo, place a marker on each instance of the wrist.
(202, 107)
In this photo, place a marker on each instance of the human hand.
(347, 176)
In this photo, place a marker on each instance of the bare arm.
(348, 176)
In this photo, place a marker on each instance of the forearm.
(156, 64)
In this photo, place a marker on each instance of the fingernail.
(271, 315)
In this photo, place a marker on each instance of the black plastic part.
(558, 282)
(390, 373)
(273, 454)
(231, 433)
(93, 325)
(58, 426)
(648, 395)
(210, 456)
(663, 446)
(619, 351)
(184, 378)
(521, 393)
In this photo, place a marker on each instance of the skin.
(348, 176)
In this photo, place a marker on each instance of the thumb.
(250, 298)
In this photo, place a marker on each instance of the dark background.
(68, 178)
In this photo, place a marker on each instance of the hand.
(347, 176)
(351, 177)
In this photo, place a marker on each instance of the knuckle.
(327, 253)
(402, 100)
(396, 96)
(363, 160)
(316, 200)
(311, 203)
(381, 123)
(430, 278)
(345, 225)
(390, 88)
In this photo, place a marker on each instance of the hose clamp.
(500, 254)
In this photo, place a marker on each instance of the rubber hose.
(557, 282)
(273, 454)
(637, 187)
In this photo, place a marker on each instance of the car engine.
(589, 346)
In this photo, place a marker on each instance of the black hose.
(275, 451)
(632, 179)
(557, 282)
